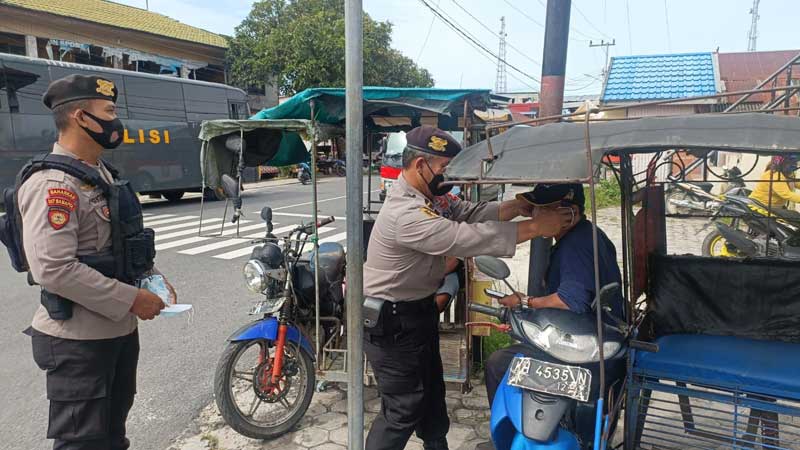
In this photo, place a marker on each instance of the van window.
(238, 111)
(57, 72)
(154, 99)
(25, 85)
(205, 102)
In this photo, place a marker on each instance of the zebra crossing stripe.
(158, 217)
(185, 225)
(167, 221)
(206, 230)
(247, 250)
(334, 238)
(232, 242)
(196, 239)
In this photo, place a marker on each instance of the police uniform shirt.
(409, 242)
(63, 218)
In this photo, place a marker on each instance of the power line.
(572, 29)
(593, 82)
(575, 5)
(427, 35)
(496, 35)
(630, 38)
(666, 17)
(457, 28)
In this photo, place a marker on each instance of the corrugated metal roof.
(122, 16)
(744, 71)
(657, 77)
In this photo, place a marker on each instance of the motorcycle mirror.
(492, 267)
(266, 214)
(230, 187)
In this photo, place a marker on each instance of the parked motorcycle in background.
(695, 197)
(265, 378)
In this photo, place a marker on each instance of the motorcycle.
(270, 362)
(304, 173)
(332, 167)
(554, 404)
(752, 230)
(689, 197)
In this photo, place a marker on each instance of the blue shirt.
(571, 270)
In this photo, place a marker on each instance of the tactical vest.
(132, 245)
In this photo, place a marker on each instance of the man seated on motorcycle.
(570, 281)
(780, 171)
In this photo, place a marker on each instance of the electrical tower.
(606, 45)
(501, 82)
(753, 33)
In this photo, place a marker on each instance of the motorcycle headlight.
(567, 347)
(255, 276)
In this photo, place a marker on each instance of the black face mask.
(109, 127)
(434, 184)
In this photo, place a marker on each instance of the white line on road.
(311, 203)
(158, 216)
(235, 241)
(171, 220)
(309, 216)
(334, 238)
(184, 225)
(207, 231)
(247, 250)
(196, 239)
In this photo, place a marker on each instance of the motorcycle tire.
(231, 413)
(713, 239)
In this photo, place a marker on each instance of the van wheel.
(173, 196)
(213, 195)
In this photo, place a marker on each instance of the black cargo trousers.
(404, 355)
(91, 385)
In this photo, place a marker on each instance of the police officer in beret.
(569, 285)
(406, 264)
(83, 239)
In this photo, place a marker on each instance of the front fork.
(277, 366)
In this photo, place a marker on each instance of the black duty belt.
(410, 308)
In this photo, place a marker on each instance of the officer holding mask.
(86, 246)
(406, 263)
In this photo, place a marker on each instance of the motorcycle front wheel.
(715, 245)
(246, 401)
(341, 171)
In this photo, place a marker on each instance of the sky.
(638, 27)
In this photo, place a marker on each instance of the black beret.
(549, 194)
(433, 140)
(79, 87)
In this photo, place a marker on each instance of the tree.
(300, 44)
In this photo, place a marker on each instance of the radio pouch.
(371, 309)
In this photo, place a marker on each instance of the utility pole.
(551, 103)
(606, 45)
(501, 81)
(752, 35)
(354, 122)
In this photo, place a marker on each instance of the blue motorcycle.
(265, 378)
(551, 401)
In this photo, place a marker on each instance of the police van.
(160, 152)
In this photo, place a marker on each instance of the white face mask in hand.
(157, 285)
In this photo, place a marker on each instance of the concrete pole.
(354, 107)
(551, 101)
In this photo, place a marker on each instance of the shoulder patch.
(428, 211)
(62, 193)
(57, 218)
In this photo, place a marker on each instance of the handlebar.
(309, 228)
(488, 310)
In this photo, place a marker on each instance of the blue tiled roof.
(656, 77)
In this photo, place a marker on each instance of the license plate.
(549, 378)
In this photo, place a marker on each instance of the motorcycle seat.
(735, 363)
(786, 214)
